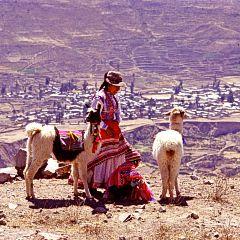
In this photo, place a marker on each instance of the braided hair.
(105, 84)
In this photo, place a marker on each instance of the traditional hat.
(114, 78)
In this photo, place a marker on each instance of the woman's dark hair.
(104, 84)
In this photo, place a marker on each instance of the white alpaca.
(40, 147)
(168, 151)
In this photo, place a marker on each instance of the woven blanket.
(71, 140)
(66, 145)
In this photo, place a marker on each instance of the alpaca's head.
(176, 117)
(177, 114)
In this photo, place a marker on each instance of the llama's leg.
(29, 157)
(177, 188)
(75, 175)
(165, 178)
(171, 187)
(29, 176)
(172, 181)
(84, 175)
(28, 163)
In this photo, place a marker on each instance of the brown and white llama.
(44, 141)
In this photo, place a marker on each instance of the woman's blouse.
(110, 107)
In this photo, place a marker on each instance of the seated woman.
(116, 154)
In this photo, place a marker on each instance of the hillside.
(209, 209)
(211, 146)
(194, 41)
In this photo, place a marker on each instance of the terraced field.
(189, 40)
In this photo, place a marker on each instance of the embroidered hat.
(114, 78)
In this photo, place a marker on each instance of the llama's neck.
(88, 139)
(177, 126)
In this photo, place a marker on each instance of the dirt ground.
(212, 212)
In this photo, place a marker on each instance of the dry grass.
(220, 190)
(162, 232)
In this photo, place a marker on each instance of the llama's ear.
(99, 108)
(167, 113)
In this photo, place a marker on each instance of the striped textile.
(113, 148)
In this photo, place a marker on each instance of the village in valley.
(51, 102)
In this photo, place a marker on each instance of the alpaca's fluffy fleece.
(168, 151)
(40, 147)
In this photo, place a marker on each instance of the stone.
(99, 210)
(137, 216)
(50, 170)
(3, 222)
(5, 177)
(109, 215)
(125, 217)
(10, 170)
(138, 210)
(182, 237)
(122, 238)
(20, 158)
(51, 236)
(162, 209)
(194, 177)
(194, 215)
(63, 171)
(208, 182)
(12, 206)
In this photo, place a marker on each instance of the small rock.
(121, 238)
(162, 209)
(51, 236)
(138, 210)
(99, 210)
(125, 217)
(194, 177)
(208, 182)
(5, 177)
(232, 186)
(63, 172)
(20, 158)
(3, 222)
(182, 238)
(105, 221)
(143, 206)
(216, 235)
(194, 215)
(137, 216)
(2, 215)
(109, 215)
(12, 206)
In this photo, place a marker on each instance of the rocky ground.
(212, 212)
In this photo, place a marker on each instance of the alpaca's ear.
(185, 115)
(167, 113)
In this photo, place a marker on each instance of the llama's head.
(93, 115)
(177, 114)
(94, 118)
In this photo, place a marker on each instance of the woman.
(115, 149)
(116, 154)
